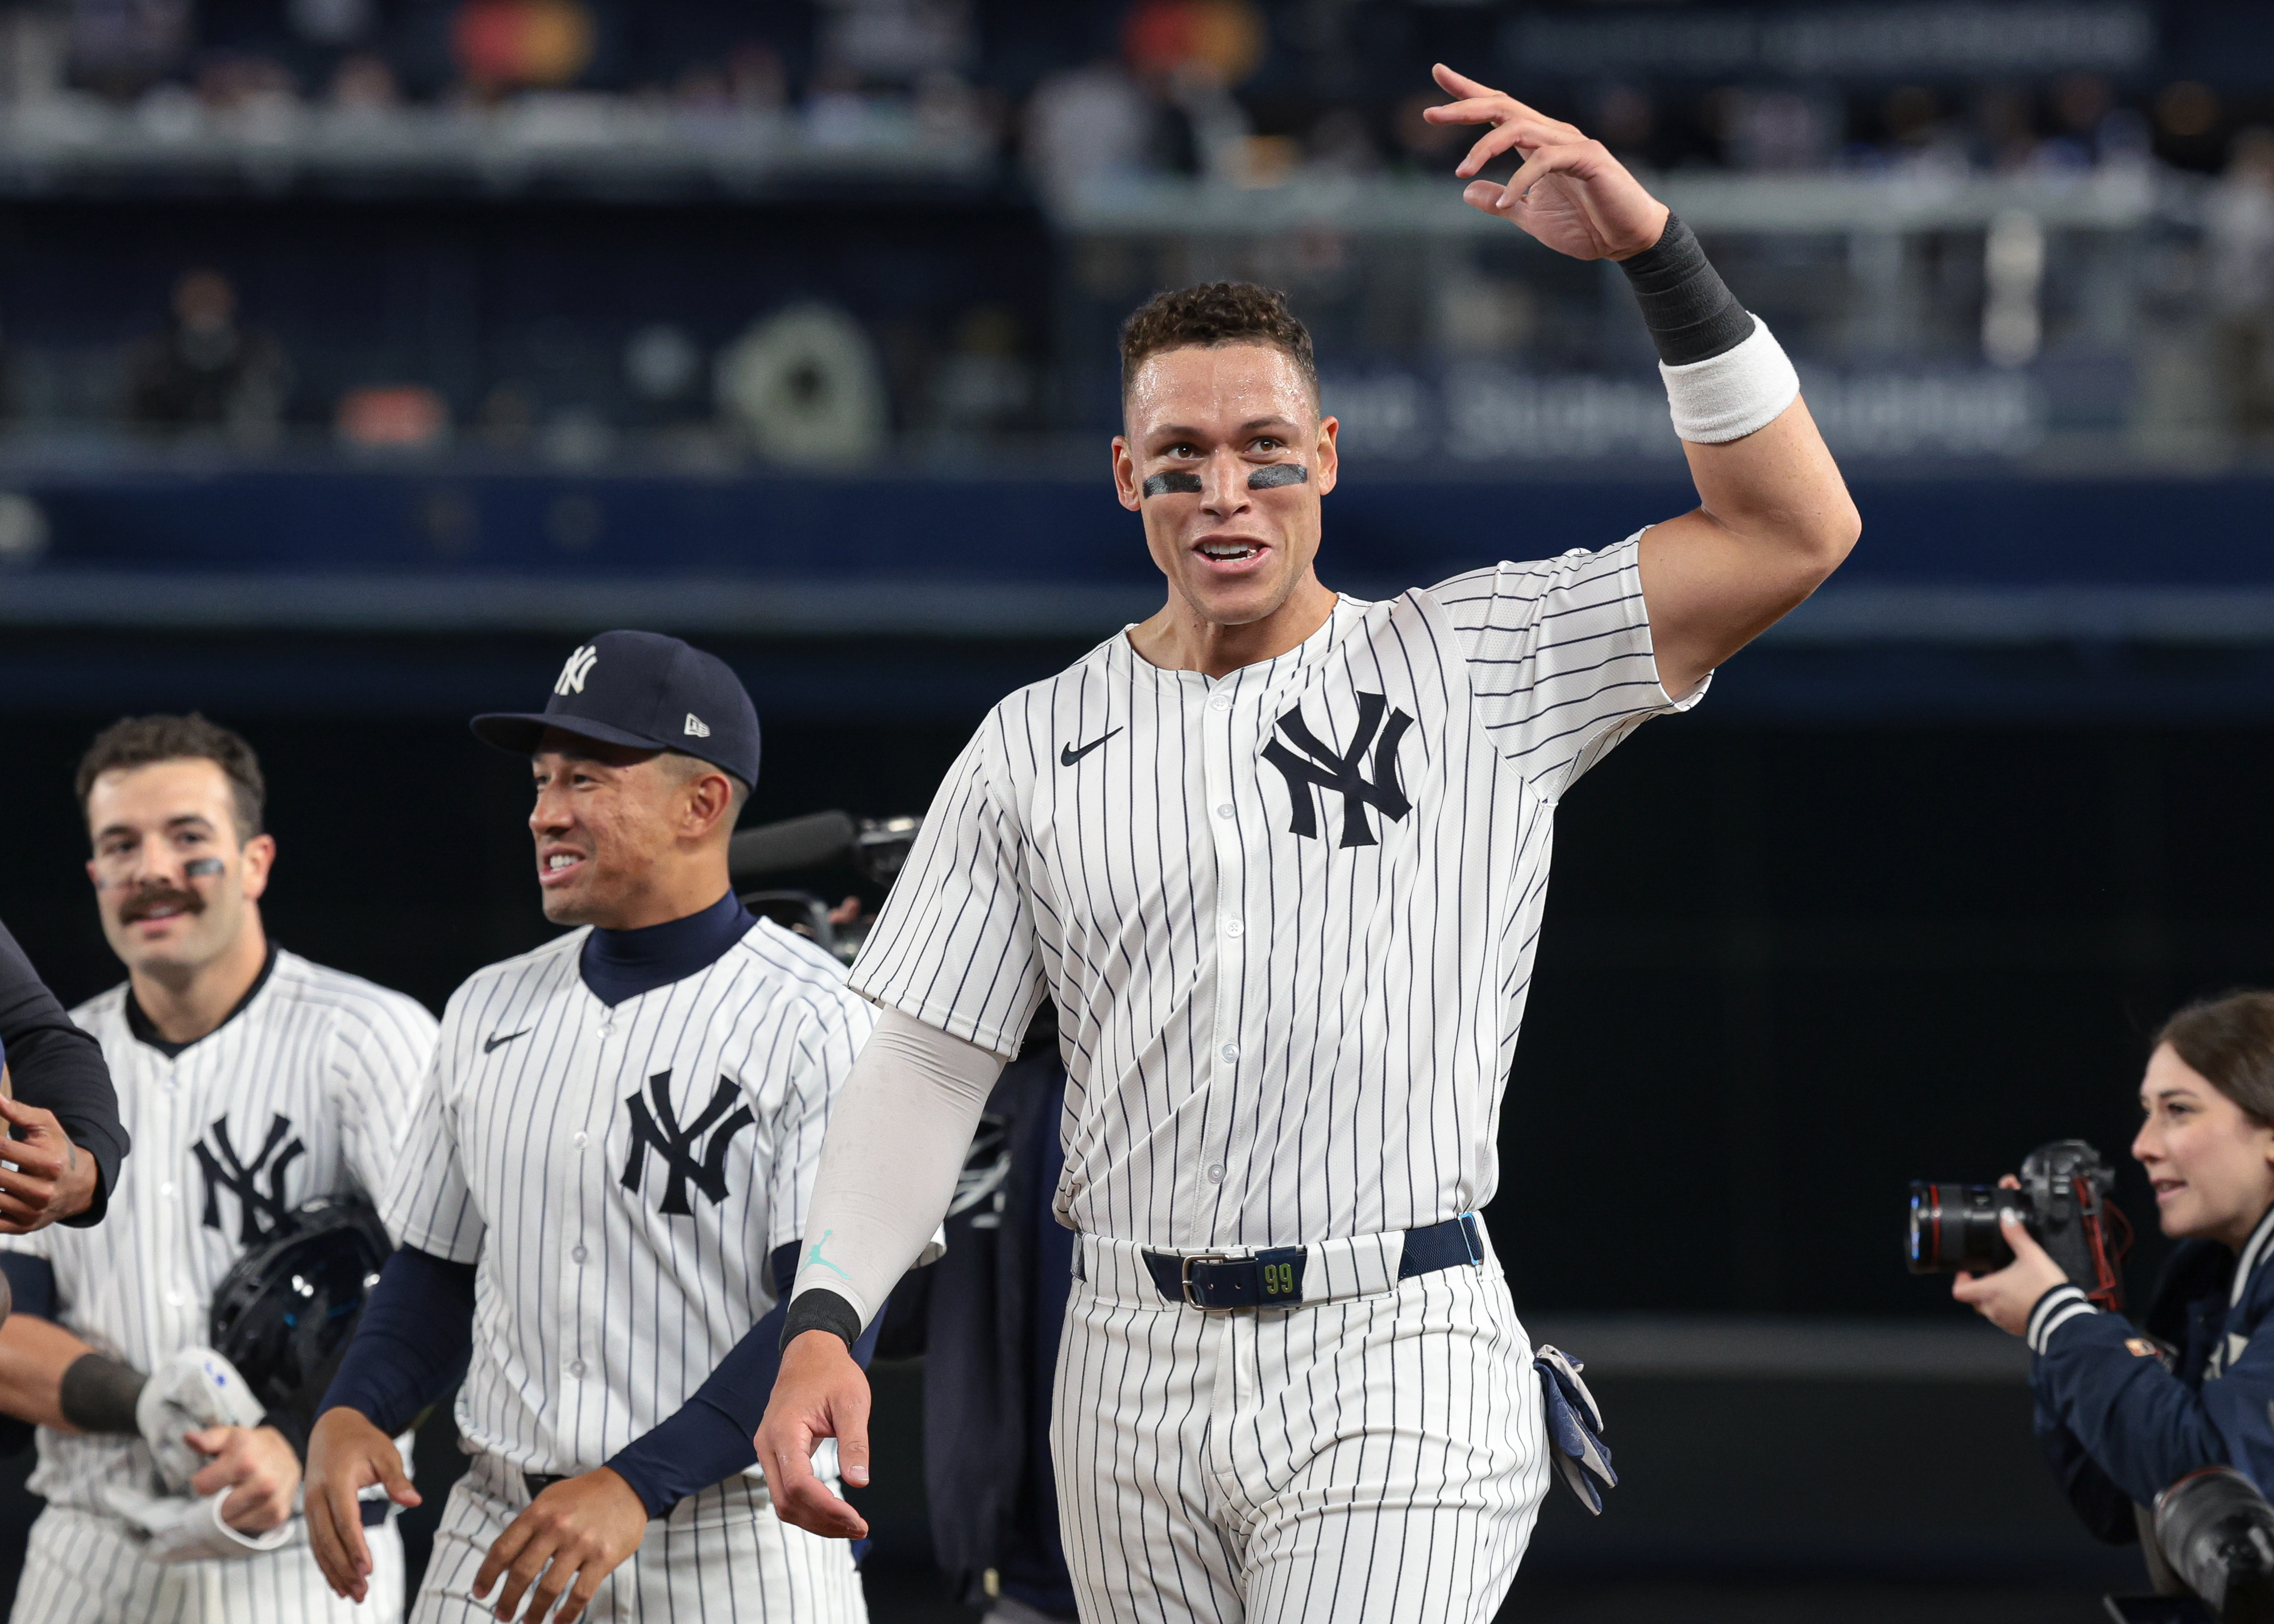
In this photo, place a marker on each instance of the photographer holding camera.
(2120, 1415)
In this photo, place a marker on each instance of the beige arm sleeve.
(897, 1140)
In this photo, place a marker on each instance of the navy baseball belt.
(1274, 1277)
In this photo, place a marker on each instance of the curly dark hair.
(139, 740)
(1213, 314)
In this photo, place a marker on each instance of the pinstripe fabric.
(610, 1281)
(1287, 1010)
(340, 1063)
(1375, 1460)
(1288, 918)
(720, 1554)
(81, 1568)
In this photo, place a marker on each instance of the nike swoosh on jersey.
(494, 1041)
(1068, 755)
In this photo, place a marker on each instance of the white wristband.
(1729, 396)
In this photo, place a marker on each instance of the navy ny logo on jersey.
(658, 1131)
(259, 1211)
(1325, 768)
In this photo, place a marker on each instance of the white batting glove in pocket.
(195, 1388)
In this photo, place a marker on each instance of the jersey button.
(576, 1254)
(1222, 701)
(167, 1191)
(1232, 1051)
(576, 1369)
(1215, 1173)
(1233, 927)
(1224, 811)
(578, 1139)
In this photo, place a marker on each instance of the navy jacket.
(2120, 1419)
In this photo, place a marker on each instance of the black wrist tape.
(1689, 310)
(99, 1393)
(821, 1310)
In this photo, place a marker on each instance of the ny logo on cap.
(696, 728)
(578, 667)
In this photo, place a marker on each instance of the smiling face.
(2212, 1165)
(625, 835)
(1214, 416)
(173, 882)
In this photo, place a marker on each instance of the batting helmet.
(283, 1313)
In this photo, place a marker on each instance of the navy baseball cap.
(644, 689)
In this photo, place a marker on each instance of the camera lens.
(2217, 1532)
(1955, 1227)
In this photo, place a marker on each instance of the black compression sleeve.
(58, 1067)
(414, 1340)
(821, 1310)
(1690, 313)
(99, 1393)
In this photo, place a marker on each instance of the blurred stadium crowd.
(2040, 230)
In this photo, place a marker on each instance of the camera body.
(2063, 1202)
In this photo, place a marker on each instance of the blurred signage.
(1482, 411)
(1860, 42)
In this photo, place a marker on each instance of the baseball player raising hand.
(1279, 858)
(602, 1194)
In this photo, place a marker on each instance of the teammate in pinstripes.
(603, 1193)
(251, 1081)
(1279, 858)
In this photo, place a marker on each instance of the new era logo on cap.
(695, 727)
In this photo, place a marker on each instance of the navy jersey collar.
(618, 964)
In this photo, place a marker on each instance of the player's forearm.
(1764, 474)
(708, 1439)
(58, 1067)
(413, 1342)
(897, 1140)
(34, 1355)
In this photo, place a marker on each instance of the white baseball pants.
(81, 1568)
(1373, 1459)
(721, 1553)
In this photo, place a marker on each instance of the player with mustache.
(253, 1080)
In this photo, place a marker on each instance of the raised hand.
(1570, 193)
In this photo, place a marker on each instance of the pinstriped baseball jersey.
(619, 1176)
(1287, 916)
(307, 1090)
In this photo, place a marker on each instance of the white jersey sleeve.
(1560, 659)
(429, 1205)
(819, 1064)
(955, 947)
(376, 1072)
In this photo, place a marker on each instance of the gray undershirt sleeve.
(897, 1140)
